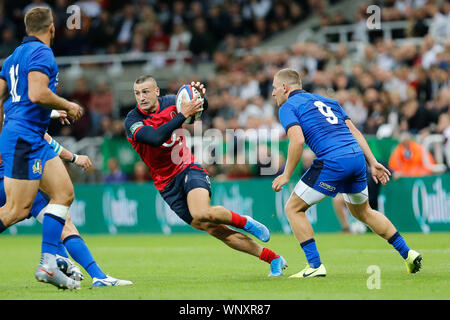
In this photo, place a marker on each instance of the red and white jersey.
(167, 160)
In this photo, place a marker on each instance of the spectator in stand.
(9, 43)
(91, 8)
(140, 174)
(60, 15)
(6, 22)
(407, 159)
(100, 104)
(146, 20)
(102, 32)
(218, 21)
(82, 96)
(180, 38)
(443, 128)
(73, 42)
(106, 130)
(429, 51)
(125, 27)
(137, 44)
(179, 13)
(202, 43)
(158, 41)
(117, 129)
(415, 117)
(115, 175)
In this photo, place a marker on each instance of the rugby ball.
(188, 92)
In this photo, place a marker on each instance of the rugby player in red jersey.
(183, 183)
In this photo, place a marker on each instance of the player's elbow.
(298, 141)
(36, 96)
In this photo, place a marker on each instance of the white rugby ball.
(188, 92)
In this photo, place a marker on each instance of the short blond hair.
(38, 20)
(289, 76)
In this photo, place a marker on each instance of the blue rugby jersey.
(322, 121)
(20, 112)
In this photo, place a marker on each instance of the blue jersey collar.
(296, 92)
(29, 39)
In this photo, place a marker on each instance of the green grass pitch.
(199, 267)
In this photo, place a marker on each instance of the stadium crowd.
(386, 88)
(109, 26)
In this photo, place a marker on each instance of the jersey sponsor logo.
(326, 186)
(136, 126)
(37, 166)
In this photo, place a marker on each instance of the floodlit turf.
(197, 267)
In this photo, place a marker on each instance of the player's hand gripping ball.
(188, 92)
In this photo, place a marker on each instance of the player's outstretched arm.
(39, 93)
(378, 171)
(295, 150)
(80, 160)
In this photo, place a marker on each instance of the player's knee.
(205, 215)
(292, 209)
(64, 197)
(363, 214)
(57, 210)
(199, 225)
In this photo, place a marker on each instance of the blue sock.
(52, 227)
(79, 251)
(61, 250)
(399, 244)
(311, 253)
(2, 227)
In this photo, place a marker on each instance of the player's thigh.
(338, 201)
(56, 182)
(304, 196)
(358, 204)
(20, 193)
(295, 204)
(198, 201)
(197, 188)
(359, 211)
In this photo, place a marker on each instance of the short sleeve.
(42, 60)
(344, 114)
(132, 126)
(287, 116)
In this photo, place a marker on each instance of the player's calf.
(375, 220)
(12, 216)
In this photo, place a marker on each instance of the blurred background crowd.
(388, 88)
